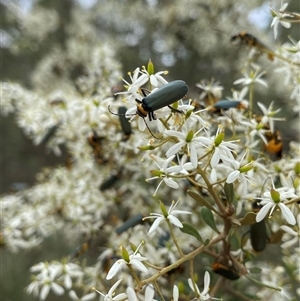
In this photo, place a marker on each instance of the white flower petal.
(190, 282)
(288, 230)
(113, 288)
(67, 282)
(285, 24)
(149, 293)
(73, 295)
(120, 297)
(175, 293)
(233, 176)
(175, 221)
(215, 158)
(264, 211)
(206, 283)
(194, 156)
(44, 292)
(115, 269)
(287, 214)
(283, 6)
(175, 169)
(263, 108)
(180, 212)
(153, 80)
(89, 296)
(136, 263)
(171, 183)
(174, 149)
(155, 225)
(131, 294)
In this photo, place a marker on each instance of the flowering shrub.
(171, 196)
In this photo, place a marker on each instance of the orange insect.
(274, 145)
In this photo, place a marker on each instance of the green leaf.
(133, 246)
(206, 242)
(189, 229)
(200, 200)
(208, 218)
(229, 193)
(248, 219)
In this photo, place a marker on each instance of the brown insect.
(251, 41)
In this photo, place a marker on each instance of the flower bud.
(246, 168)
(275, 195)
(297, 168)
(163, 210)
(157, 173)
(189, 136)
(219, 139)
(150, 67)
(125, 254)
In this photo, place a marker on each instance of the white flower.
(186, 139)
(110, 296)
(258, 129)
(149, 294)
(132, 92)
(293, 233)
(201, 296)
(268, 118)
(134, 260)
(70, 270)
(240, 174)
(165, 172)
(45, 280)
(170, 215)
(210, 89)
(156, 78)
(222, 150)
(278, 18)
(185, 166)
(273, 199)
(239, 95)
(249, 79)
(50, 285)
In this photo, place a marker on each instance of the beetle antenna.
(151, 131)
(117, 114)
(114, 113)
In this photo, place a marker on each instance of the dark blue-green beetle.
(125, 124)
(226, 104)
(258, 231)
(163, 97)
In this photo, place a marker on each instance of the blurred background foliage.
(190, 39)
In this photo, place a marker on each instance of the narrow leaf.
(189, 229)
(208, 218)
(229, 193)
(206, 242)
